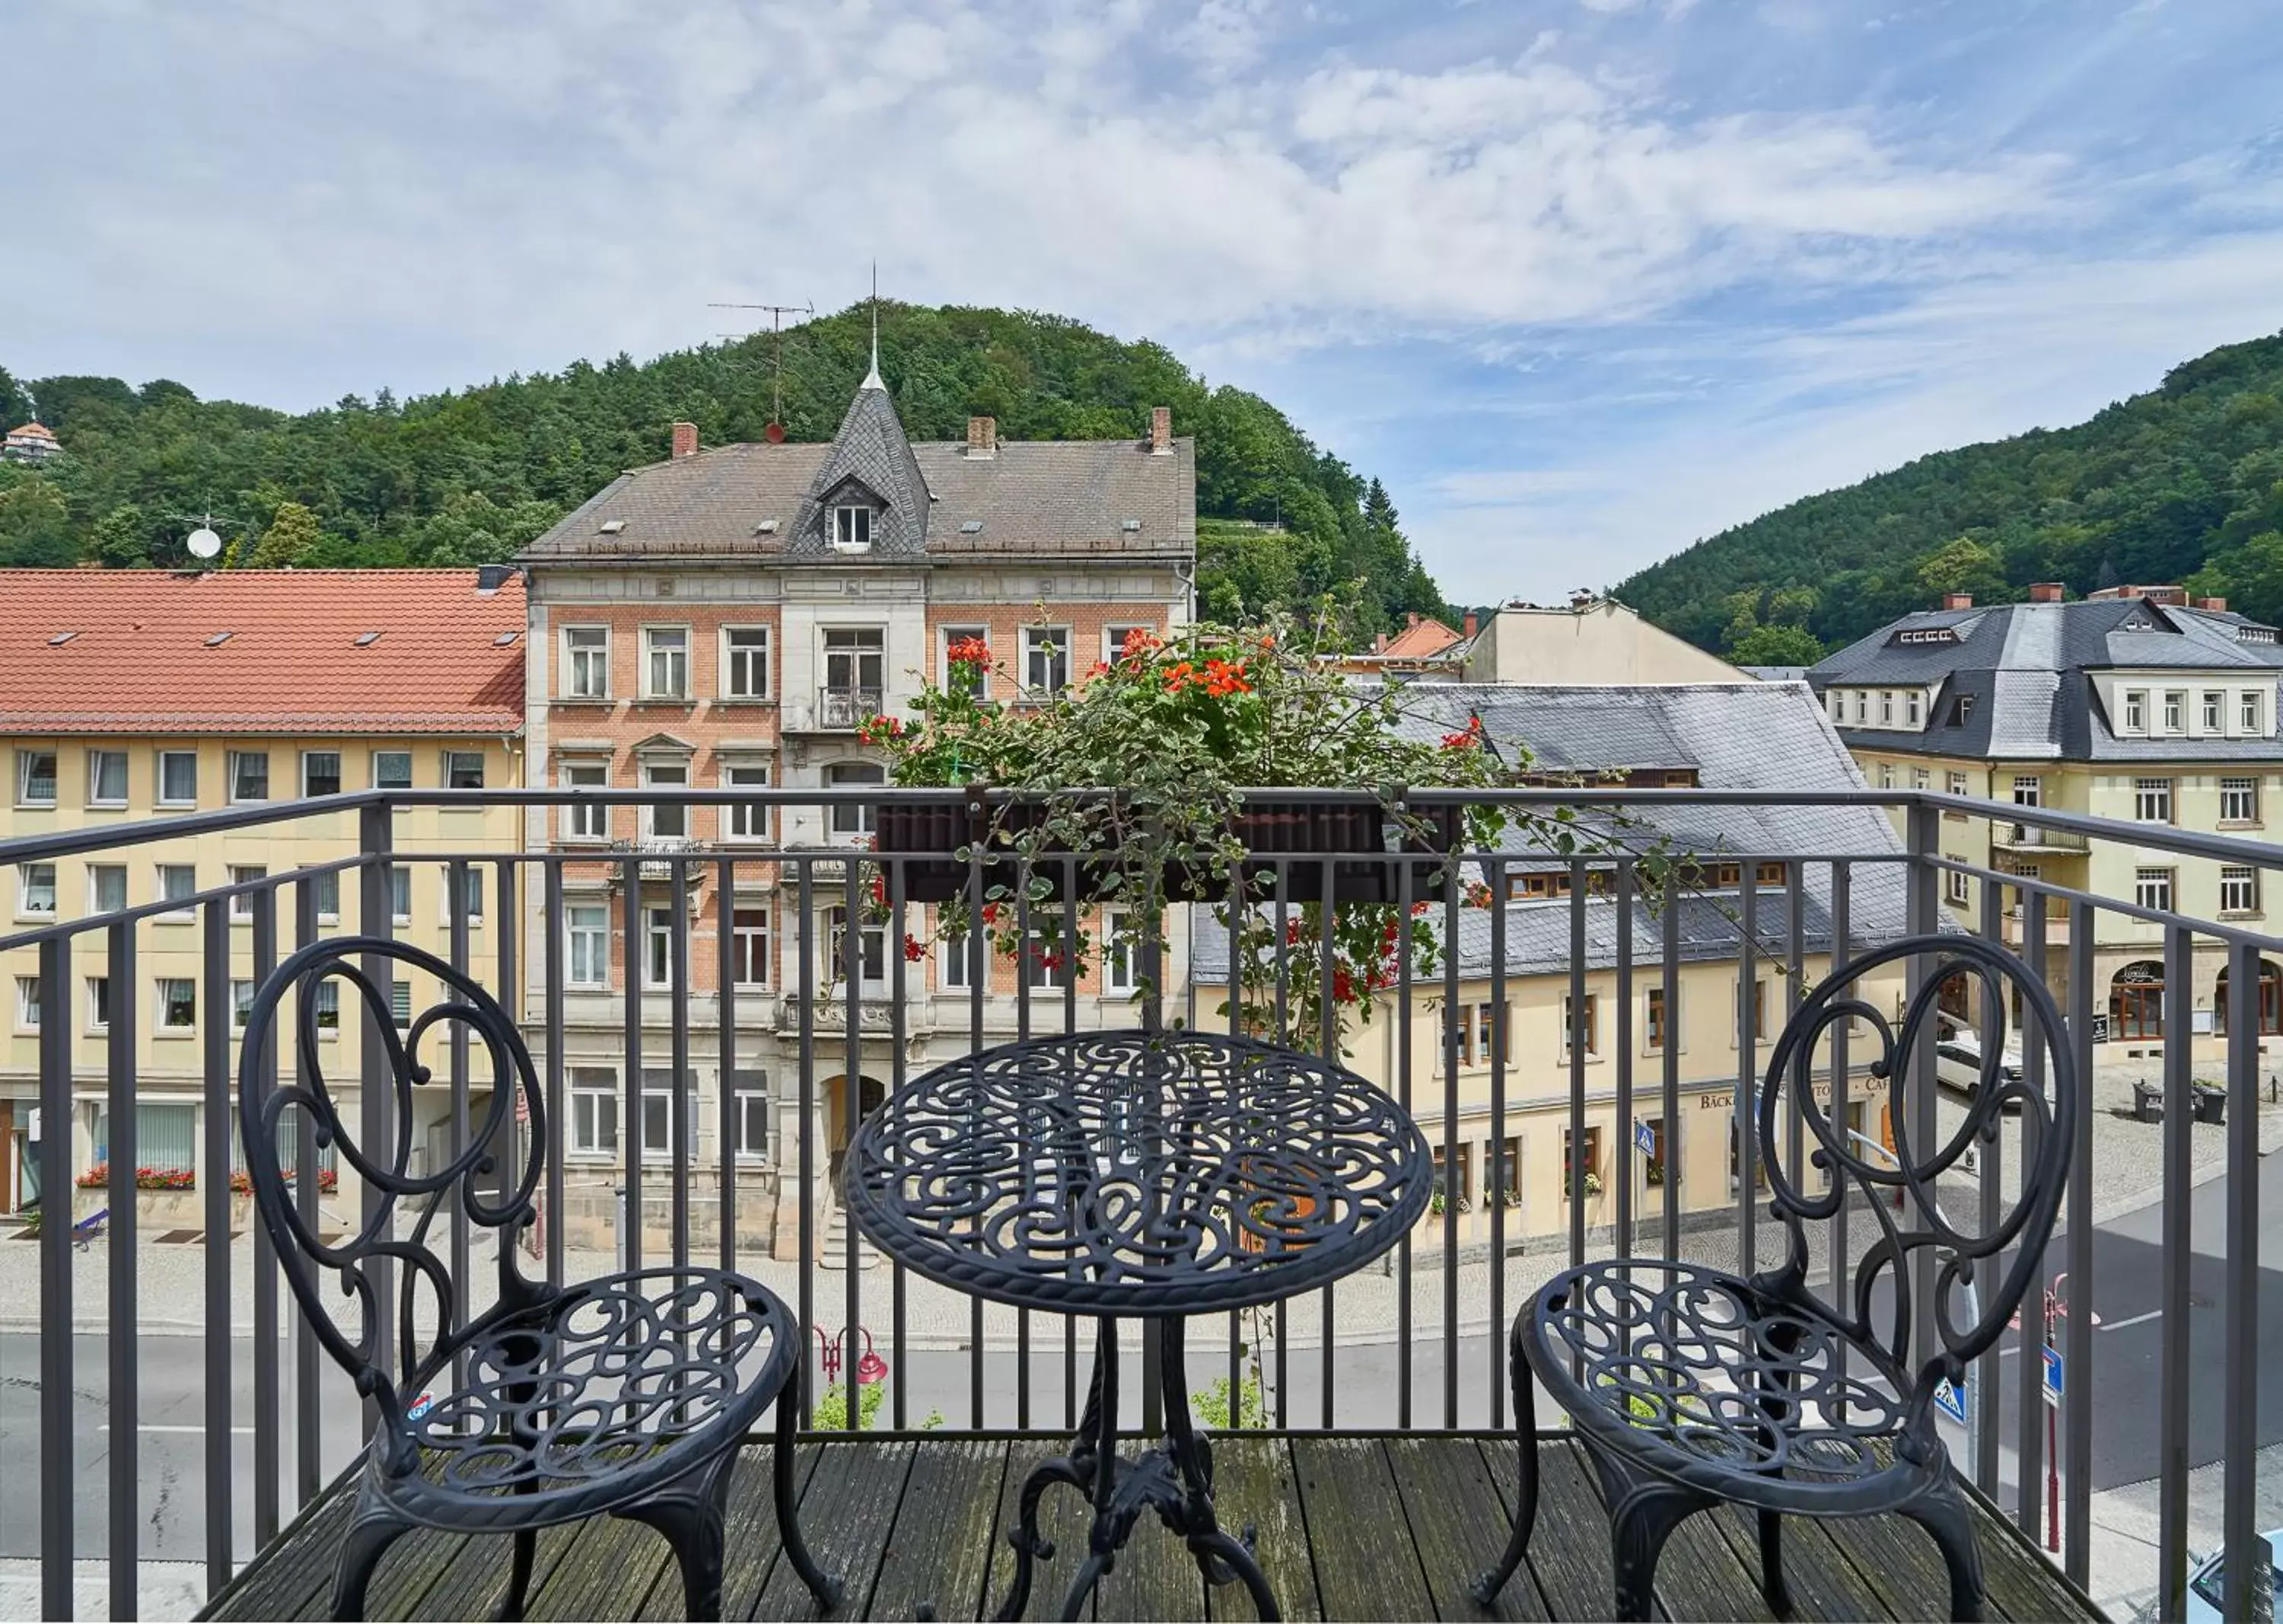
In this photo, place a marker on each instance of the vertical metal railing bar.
(1794, 875)
(124, 1458)
(898, 979)
(1497, 1185)
(307, 1440)
(1671, 1045)
(1621, 899)
(1573, 1046)
(507, 967)
(456, 879)
(1236, 922)
(1923, 911)
(1453, 1196)
(2173, 1376)
(1992, 1155)
(1743, 1141)
(551, 924)
(2244, 1548)
(852, 1095)
(56, 1498)
(265, 1259)
(682, 1095)
(1281, 948)
(1843, 946)
(631, 1123)
(1327, 1045)
(1022, 975)
(805, 949)
(1070, 1024)
(1403, 877)
(2028, 1403)
(978, 971)
(376, 1083)
(2076, 1419)
(725, 1040)
(214, 1020)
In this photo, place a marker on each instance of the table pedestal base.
(1173, 1479)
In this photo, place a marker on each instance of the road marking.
(158, 1426)
(2138, 1319)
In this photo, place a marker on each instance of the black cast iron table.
(1146, 1176)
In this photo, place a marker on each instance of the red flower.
(1343, 985)
(1471, 740)
(1291, 932)
(1418, 909)
(1139, 643)
(969, 652)
(1176, 675)
(880, 889)
(990, 913)
(1050, 959)
(1223, 677)
(914, 950)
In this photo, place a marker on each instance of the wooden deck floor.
(1350, 1527)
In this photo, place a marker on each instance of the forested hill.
(469, 476)
(2182, 484)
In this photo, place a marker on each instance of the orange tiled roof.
(1428, 637)
(38, 431)
(140, 660)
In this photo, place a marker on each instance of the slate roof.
(1055, 497)
(140, 661)
(1738, 736)
(2029, 669)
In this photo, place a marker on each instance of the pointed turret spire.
(872, 378)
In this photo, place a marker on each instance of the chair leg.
(689, 1513)
(821, 1584)
(519, 1579)
(1486, 1586)
(1643, 1514)
(1771, 1578)
(1942, 1514)
(370, 1535)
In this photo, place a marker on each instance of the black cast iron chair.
(630, 1396)
(1689, 1386)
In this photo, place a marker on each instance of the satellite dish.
(204, 543)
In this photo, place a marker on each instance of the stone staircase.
(834, 1253)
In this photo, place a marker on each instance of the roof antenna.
(872, 378)
(775, 432)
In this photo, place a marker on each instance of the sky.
(1581, 280)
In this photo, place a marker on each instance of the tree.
(291, 533)
(35, 526)
(1776, 645)
(122, 539)
(1963, 564)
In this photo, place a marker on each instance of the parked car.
(1958, 1062)
(2204, 1599)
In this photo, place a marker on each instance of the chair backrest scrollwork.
(469, 1180)
(1879, 1184)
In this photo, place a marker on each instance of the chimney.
(1411, 620)
(2217, 605)
(1958, 600)
(2045, 592)
(1470, 624)
(1378, 640)
(685, 440)
(1161, 430)
(982, 436)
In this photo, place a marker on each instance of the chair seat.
(1693, 1374)
(591, 1400)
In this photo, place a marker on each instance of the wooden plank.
(472, 1585)
(293, 1579)
(1366, 1565)
(852, 1501)
(1155, 1578)
(607, 1572)
(939, 1552)
(1899, 1561)
(1459, 1525)
(750, 1532)
(1824, 1584)
(2022, 1584)
(1253, 1486)
(1570, 1546)
(1065, 1518)
(410, 1571)
(1699, 1575)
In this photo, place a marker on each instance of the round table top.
(1130, 1173)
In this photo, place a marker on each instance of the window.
(36, 777)
(661, 1096)
(954, 951)
(871, 948)
(1886, 775)
(178, 778)
(471, 888)
(1506, 1178)
(1759, 1011)
(851, 528)
(670, 821)
(464, 770)
(399, 894)
(1591, 1171)
(2153, 888)
(1961, 709)
(2239, 890)
(392, 770)
(400, 1004)
(1837, 702)
(1043, 958)
(328, 887)
(2176, 711)
(855, 664)
(749, 945)
(2214, 709)
(99, 1002)
(241, 903)
(587, 943)
(2250, 715)
(1587, 1022)
(746, 820)
(590, 821)
(666, 662)
(1449, 1195)
(28, 1002)
(1862, 706)
(241, 1004)
(587, 662)
(1654, 1024)
(2135, 712)
(177, 883)
(1920, 777)
(1046, 659)
(2238, 801)
(321, 772)
(178, 1004)
(854, 818)
(328, 1009)
(2029, 792)
(745, 666)
(975, 678)
(249, 775)
(35, 893)
(1114, 639)
(2152, 799)
(658, 938)
(594, 1111)
(1886, 707)
(1955, 783)
(107, 777)
(106, 887)
(1911, 706)
(1121, 951)
(750, 1112)
(1955, 885)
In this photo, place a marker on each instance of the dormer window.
(2136, 713)
(851, 528)
(1911, 706)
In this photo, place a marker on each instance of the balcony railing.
(1668, 1023)
(839, 710)
(2037, 838)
